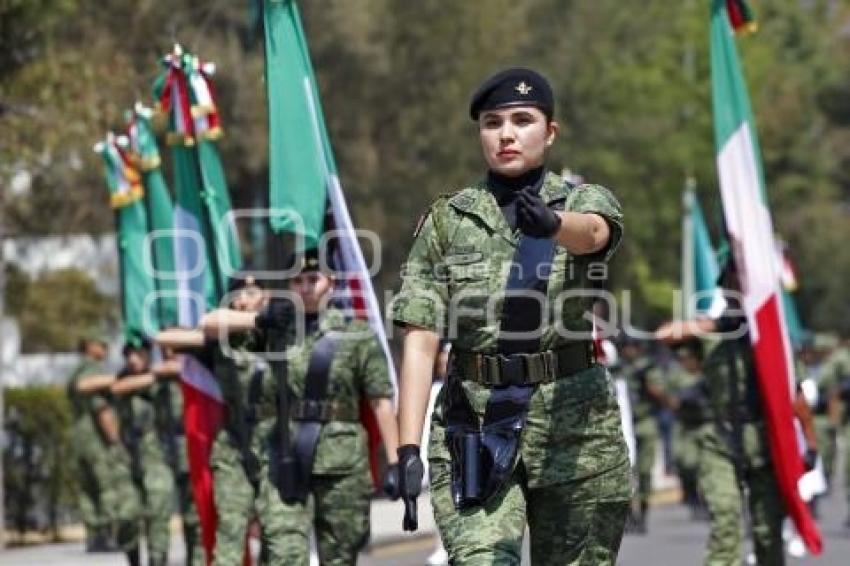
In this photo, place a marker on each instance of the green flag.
(207, 250)
(700, 271)
(304, 163)
(143, 151)
(126, 197)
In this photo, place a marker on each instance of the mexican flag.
(159, 255)
(131, 225)
(305, 193)
(206, 251)
(750, 231)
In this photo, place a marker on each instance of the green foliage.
(632, 82)
(37, 463)
(54, 309)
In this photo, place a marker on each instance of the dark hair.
(136, 344)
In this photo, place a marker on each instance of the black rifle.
(281, 313)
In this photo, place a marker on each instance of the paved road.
(672, 540)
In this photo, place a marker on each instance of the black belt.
(322, 411)
(501, 370)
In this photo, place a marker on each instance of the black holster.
(291, 486)
(483, 454)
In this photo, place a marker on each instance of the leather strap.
(315, 392)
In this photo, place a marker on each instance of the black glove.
(810, 459)
(534, 218)
(410, 470)
(391, 487)
(277, 315)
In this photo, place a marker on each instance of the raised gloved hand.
(410, 470)
(534, 218)
(810, 459)
(277, 315)
(391, 487)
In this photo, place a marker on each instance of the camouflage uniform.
(105, 501)
(640, 375)
(341, 486)
(571, 479)
(689, 419)
(726, 462)
(835, 374)
(235, 495)
(169, 413)
(151, 476)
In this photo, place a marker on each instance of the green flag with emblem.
(159, 208)
(126, 198)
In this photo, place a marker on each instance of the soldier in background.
(151, 477)
(168, 399)
(94, 436)
(334, 369)
(825, 397)
(688, 398)
(645, 381)
(835, 371)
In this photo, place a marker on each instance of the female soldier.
(527, 427)
(331, 368)
(151, 476)
(234, 460)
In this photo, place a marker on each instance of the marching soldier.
(168, 400)
(735, 461)
(332, 369)
(526, 428)
(835, 372)
(151, 477)
(688, 397)
(94, 437)
(646, 393)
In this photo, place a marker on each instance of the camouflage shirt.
(358, 372)
(461, 258)
(137, 421)
(463, 253)
(689, 388)
(85, 406)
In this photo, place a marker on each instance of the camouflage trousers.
(155, 500)
(686, 453)
(563, 531)
(826, 439)
(338, 511)
(234, 502)
(191, 521)
(107, 499)
(724, 499)
(92, 467)
(646, 436)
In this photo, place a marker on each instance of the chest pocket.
(465, 266)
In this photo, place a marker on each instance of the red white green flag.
(750, 232)
(304, 181)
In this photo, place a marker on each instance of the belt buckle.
(512, 369)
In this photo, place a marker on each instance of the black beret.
(513, 87)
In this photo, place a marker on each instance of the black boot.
(133, 557)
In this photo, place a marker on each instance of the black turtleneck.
(311, 323)
(505, 189)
